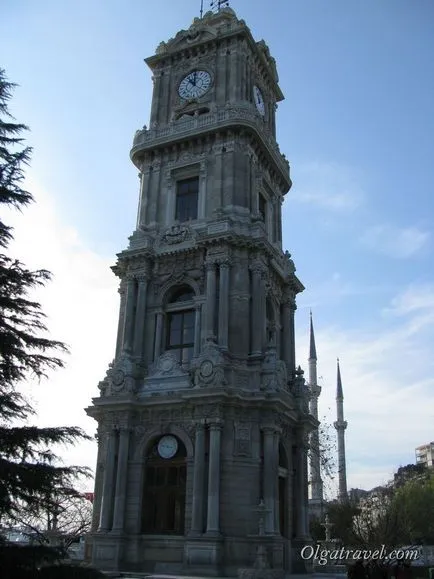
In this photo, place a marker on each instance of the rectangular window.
(180, 337)
(187, 197)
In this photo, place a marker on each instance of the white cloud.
(395, 242)
(336, 287)
(327, 185)
(388, 382)
(81, 303)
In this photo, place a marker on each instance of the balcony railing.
(202, 123)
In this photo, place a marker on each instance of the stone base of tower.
(300, 565)
(201, 556)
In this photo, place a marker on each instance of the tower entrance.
(163, 511)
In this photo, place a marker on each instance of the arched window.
(180, 317)
(164, 490)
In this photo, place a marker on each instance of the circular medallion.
(167, 364)
(206, 368)
(167, 446)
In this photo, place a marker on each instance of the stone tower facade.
(203, 414)
(316, 501)
(341, 426)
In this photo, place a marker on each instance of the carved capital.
(258, 268)
(215, 423)
(210, 264)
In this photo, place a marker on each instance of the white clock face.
(259, 100)
(167, 446)
(195, 84)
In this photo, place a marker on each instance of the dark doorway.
(164, 492)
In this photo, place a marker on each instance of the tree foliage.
(413, 505)
(32, 477)
(399, 513)
(67, 519)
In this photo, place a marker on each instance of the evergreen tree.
(32, 477)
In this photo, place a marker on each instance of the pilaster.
(106, 516)
(198, 480)
(213, 515)
(139, 329)
(211, 288)
(223, 322)
(129, 314)
(121, 479)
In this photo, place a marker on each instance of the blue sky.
(357, 125)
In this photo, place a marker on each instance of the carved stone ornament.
(274, 375)
(166, 365)
(208, 369)
(175, 234)
(242, 439)
(121, 376)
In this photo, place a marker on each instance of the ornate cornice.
(244, 116)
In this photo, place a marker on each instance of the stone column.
(210, 298)
(301, 485)
(158, 334)
(213, 515)
(139, 329)
(129, 315)
(269, 476)
(105, 521)
(202, 191)
(292, 309)
(258, 310)
(288, 346)
(197, 329)
(276, 483)
(121, 480)
(224, 305)
(198, 480)
(156, 97)
(144, 186)
(120, 335)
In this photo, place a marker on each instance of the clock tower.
(203, 415)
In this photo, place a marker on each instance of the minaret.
(316, 485)
(340, 426)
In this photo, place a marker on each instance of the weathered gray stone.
(230, 405)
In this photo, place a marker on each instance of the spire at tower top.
(312, 348)
(339, 391)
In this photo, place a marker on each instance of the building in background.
(425, 455)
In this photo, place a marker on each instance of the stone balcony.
(199, 125)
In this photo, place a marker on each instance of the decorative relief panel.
(166, 366)
(274, 375)
(208, 368)
(175, 235)
(242, 439)
(121, 377)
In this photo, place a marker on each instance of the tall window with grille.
(180, 325)
(187, 199)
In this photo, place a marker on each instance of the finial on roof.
(312, 347)
(219, 4)
(339, 391)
